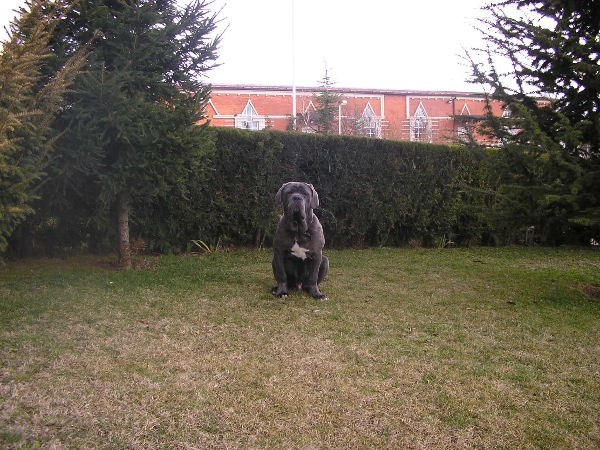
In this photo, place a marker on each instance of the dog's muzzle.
(297, 209)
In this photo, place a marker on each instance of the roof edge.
(342, 90)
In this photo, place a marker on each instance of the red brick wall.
(274, 104)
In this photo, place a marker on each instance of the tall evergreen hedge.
(372, 192)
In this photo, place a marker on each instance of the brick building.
(436, 117)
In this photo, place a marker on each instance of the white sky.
(394, 44)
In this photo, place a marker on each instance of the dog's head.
(298, 200)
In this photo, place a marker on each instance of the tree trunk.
(123, 217)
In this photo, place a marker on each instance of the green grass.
(423, 349)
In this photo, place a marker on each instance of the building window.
(249, 119)
(369, 123)
(306, 118)
(420, 125)
(464, 135)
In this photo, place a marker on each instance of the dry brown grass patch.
(416, 349)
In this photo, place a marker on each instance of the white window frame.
(370, 123)
(420, 125)
(249, 119)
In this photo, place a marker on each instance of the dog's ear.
(278, 196)
(314, 199)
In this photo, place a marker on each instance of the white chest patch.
(299, 252)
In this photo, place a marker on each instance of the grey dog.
(298, 261)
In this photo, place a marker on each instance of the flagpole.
(293, 66)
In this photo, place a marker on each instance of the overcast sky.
(385, 44)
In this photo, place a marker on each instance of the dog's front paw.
(279, 292)
(316, 293)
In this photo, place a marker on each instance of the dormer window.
(307, 117)
(420, 125)
(370, 123)
(249, 119)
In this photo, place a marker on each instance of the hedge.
(372, 192)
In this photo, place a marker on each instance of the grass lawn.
(415, 349)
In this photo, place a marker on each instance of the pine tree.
(326, 106)
(130, 131)
(29, 102)
(551, 157)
